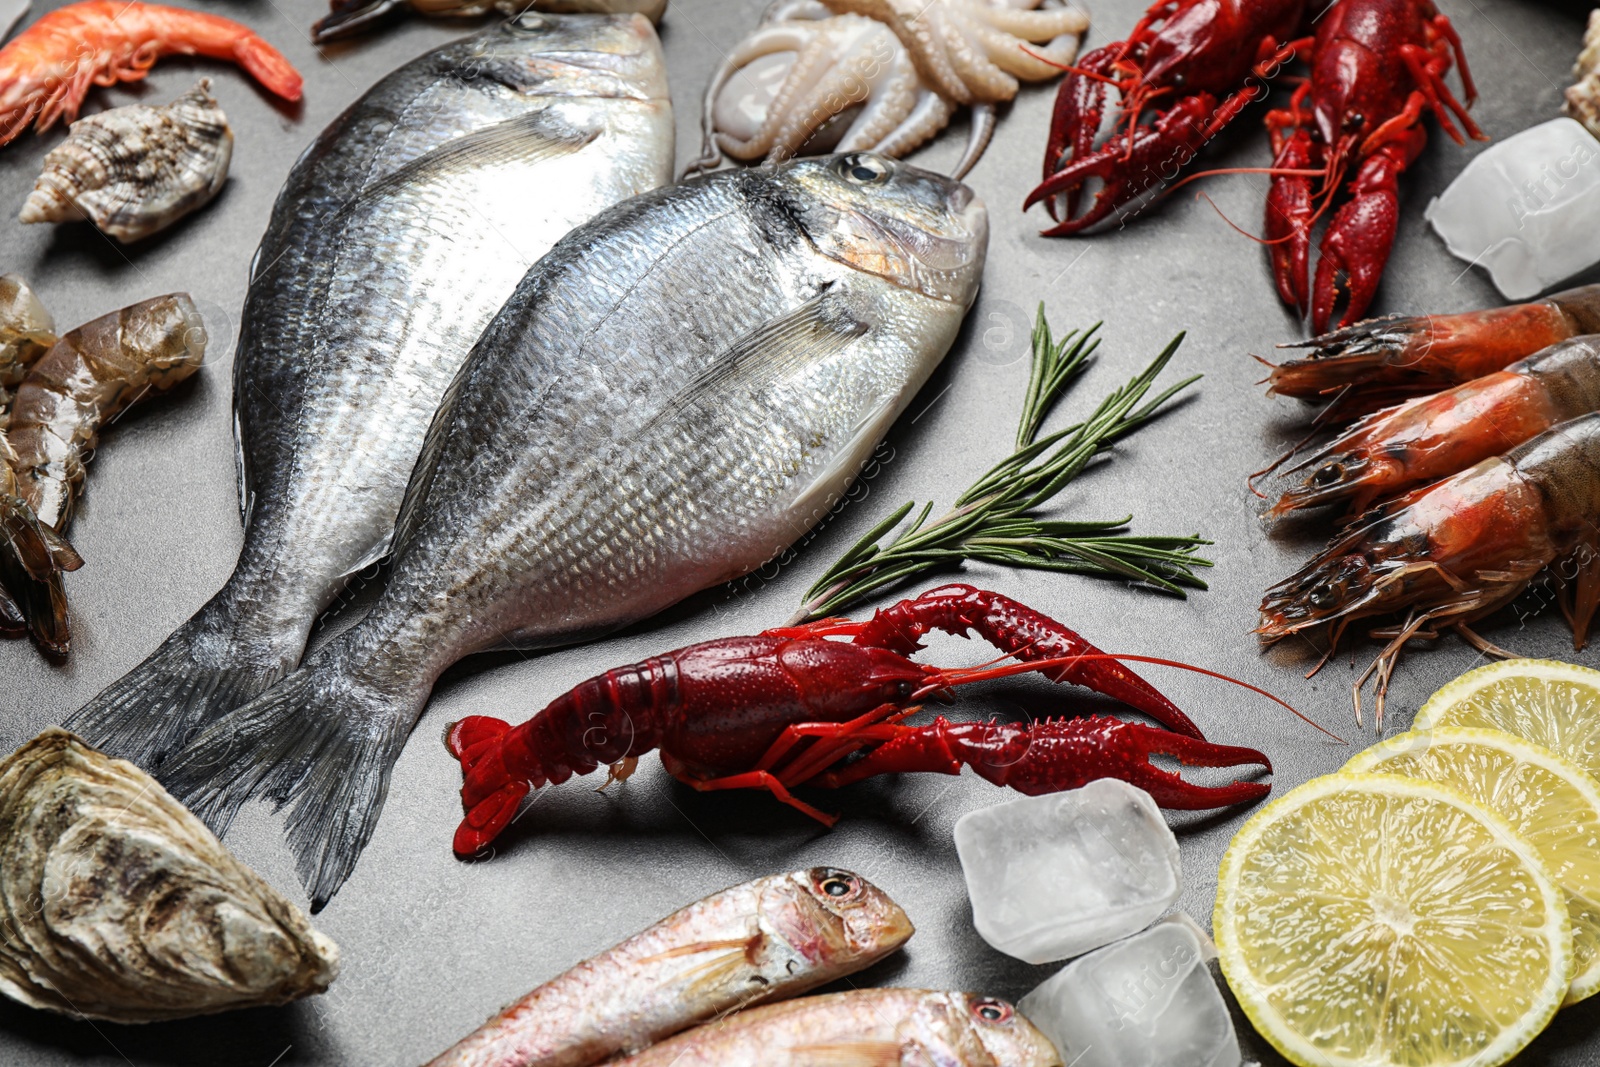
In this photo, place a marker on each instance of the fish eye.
(863, 170)
(1328, 475)
(832, 882)
(991, 1011)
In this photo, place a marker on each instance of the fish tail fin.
(32, 559)
(219, 659)
(322, 743)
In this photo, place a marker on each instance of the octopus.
(882, 76)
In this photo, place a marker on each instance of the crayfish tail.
(486, 819)
(467, 738)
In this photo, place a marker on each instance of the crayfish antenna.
(963, 676)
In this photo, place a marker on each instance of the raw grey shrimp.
(88, 377)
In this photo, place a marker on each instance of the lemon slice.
(1371, 919)
(1552, 803)
(1553, 704)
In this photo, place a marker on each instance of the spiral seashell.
(121, 905)
(26, 332)
(135, 170)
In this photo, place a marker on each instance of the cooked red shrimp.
(47, 69)
(1436, 436)
(1381, 361)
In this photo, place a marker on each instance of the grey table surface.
(431, 945)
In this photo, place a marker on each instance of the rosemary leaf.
(994, 520)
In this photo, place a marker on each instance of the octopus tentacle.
(905, 64)
(930, 115)
(893, 101)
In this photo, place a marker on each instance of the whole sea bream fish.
(761, 941)
(396, 238)
(672, 396)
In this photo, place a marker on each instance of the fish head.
(540, 54)
(838, 919)
(1005, 1035)
(920, 230)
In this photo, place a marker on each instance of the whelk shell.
(26, 332)
(121, 905)
(135, 170)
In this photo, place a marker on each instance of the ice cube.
(1147, 1001)
(1527, 208)
(1055, 876)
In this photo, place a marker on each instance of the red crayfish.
(790, 706)
(1184, 54)
(1376, 67)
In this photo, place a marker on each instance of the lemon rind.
(1587, 983)
(1507, 1043)
(1453, 691)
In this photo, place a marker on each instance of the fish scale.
(596, 462)
(396, 238)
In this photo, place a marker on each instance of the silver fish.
(674, 394)
(862, 1028)
(397, 237)
(350, 17)
(764, 940)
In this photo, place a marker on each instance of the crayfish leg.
(750, 780)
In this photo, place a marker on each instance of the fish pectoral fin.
(740, 943)
(844, 1054)
(531, 137)
(812, 332)
(709, 976)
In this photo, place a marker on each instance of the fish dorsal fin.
(843, 1054)
(817, 329)
(532, 137)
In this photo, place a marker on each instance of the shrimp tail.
(269, 67)
(321, 743)
(213, 663)
(32, 559)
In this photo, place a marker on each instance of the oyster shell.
(119, 904)
(26, 332)
(1583, 98)
(135, 170)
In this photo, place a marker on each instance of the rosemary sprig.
(994, 519)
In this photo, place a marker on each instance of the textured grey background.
(431, 945)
